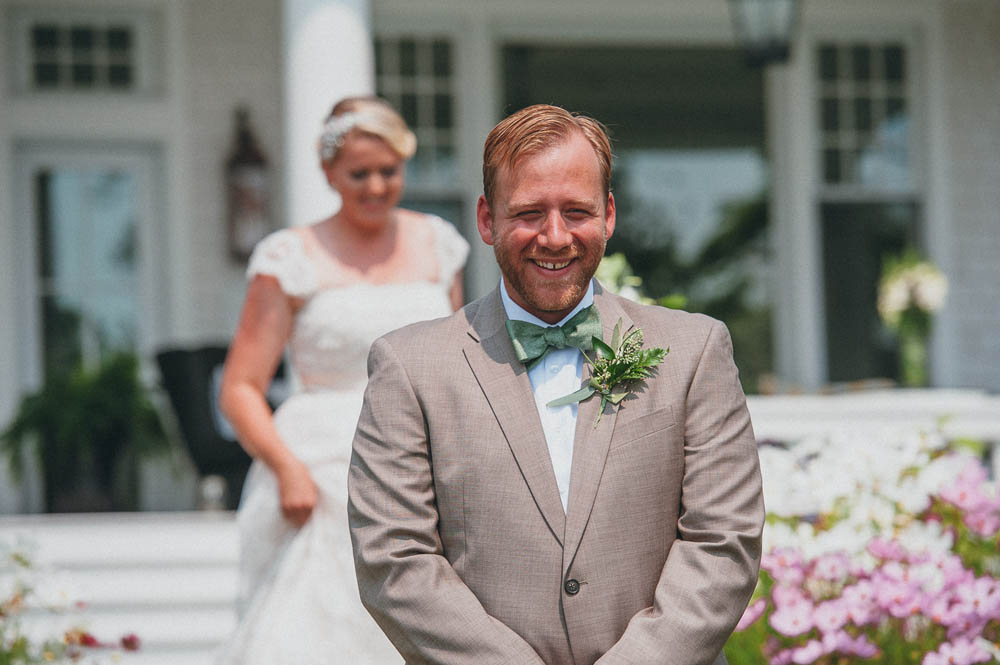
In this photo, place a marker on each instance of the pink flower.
(782, 657)
(980, 597)
(967, 627)
(808, 653)
(830, 616)
(786, 596)
(953, 570)
(983, 522)
(959, 652)
(890, 550)
(753, 612)
(793, 619)
(832, 567)
(842, 642)
(967, 492)
(784, 565)
(897, 598)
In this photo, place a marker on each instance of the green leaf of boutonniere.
(613, 366)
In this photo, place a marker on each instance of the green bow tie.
(532, 342)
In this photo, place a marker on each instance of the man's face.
(548, 225)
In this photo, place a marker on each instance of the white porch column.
(328, 55)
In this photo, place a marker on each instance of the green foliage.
(716, 280)
(83, 422)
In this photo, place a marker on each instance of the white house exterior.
(138, 96)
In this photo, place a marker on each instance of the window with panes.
(416, 74)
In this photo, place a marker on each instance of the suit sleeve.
(405, 581)
(712, 567)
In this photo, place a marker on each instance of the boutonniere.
(613, 367)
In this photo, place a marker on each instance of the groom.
(489, 527)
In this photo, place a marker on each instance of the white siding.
(973, 120)
(232, 56)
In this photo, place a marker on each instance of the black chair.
(191, 378)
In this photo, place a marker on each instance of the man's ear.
(484, 220)
(609, 217)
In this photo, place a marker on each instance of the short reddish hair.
(533, 129)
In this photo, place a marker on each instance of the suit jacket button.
(572, 587)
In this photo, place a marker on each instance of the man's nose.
(554, 234)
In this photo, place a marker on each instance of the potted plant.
(911, 291)
(88, 427)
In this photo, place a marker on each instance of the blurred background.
(769, 156)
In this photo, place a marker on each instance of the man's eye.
(389, 173)
(358, 175)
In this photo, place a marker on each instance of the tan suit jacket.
(463, 552)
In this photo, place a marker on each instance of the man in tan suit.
(489, 527)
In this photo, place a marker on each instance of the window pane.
(831, 166)
(407, 57)
(120, 76)
(83, 76)
(380, 47)
(827, 63)
(408, 104)
(863, 114)
(46, 75)
(895, 70)
(44, 37)
(119, 39)
(82, 38)
(441, 56)
(895, 106)
(831, 116)
(442, 112)
(861, 63)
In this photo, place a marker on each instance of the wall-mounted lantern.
(765, 28)
(248, 213)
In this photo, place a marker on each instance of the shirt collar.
(517, 313)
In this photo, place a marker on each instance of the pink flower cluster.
(832, 605)
(980, 504)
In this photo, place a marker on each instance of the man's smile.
(551, 265)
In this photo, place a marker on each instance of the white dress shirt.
(558, 373)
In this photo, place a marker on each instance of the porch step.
(170, 578)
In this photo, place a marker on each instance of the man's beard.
(559, 296)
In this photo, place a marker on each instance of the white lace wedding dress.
(299, 601)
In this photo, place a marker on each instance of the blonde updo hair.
(365, 115)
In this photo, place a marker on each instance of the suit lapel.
(590, 447)
(504, 381)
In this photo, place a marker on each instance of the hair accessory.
(334, 131)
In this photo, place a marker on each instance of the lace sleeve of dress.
(282, 255)
(452, 249)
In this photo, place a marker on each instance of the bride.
(327, 291)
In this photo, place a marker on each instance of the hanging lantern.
(764, 28)
(248, 191)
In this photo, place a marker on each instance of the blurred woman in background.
(327, 291)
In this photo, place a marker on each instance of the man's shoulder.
(664, 319)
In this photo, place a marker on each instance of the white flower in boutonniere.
(614, 367)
